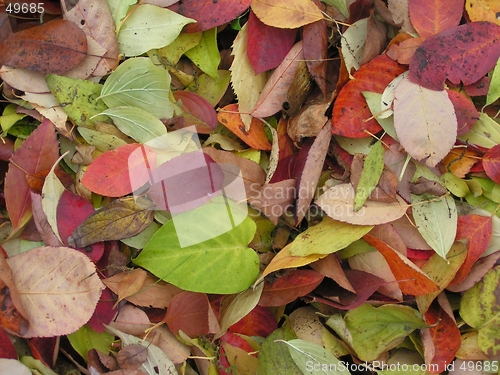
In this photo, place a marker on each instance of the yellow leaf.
(286, 14)
(483, 10)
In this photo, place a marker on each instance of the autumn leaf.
(483, 10)
(430, 18)
(53, 47)
(461, 54)
(286, 14)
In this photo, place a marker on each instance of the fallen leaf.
(260, 321)
(66, 305)
(120, 219)
(351, 115)
(461, 54)
(466, 112)
(267, 46)
(131, 357)
(482, 10)
(430, 18)
(201, 110)
(425, 122)
(286, 14)
(52, 47)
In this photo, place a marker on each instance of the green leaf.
(274, 357)
(101, 141)
(209, 88)
(436, 218)
(377, 330)
(220, 265)
(119, 9)
(136, 123)
(341, 5)
(86, 338)
(9, 117)
(485, 132)
(494, 88)
(51, 193)
(149, 27)
(138, 82)
(171, 54)
(78, 98)
(206, 55)
(370, 175)
(318, 239)
(480, 309)
(314, 359)
(373, 100)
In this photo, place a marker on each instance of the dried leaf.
(131, 357)
(120, 219)
(52, 47)
(53, 307)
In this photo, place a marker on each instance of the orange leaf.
(286, 14)
(432, 17)
(412, 280)
(53, 47)
(350, 111)
(256, 137)
(477, 230)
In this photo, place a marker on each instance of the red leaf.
(176, 188)
(463, 53)
(432, 17)
(466, 112)
(315, 46)
(491, 163)
(53, 47)
(412, 280)
(199, 108)
(288, 288)
(7, 349)
(104, 311)
(444, 336)
(256, 137)
(38, 153)
(350, 110)
(267, 46)
(209, 13)
(110, 174)
(72, 210)
(237, 341)
(188, 311)
(45, 349)
(258, 322)
(477, 230)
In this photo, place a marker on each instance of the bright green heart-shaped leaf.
(149, 27)
(377, 330)
(138, 82)
(318, 239)
(222, 264)
(480, 309)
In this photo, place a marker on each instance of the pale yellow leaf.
(338, 203)
(246, 85)
(286, 14)
(483, 10)
(59, 289)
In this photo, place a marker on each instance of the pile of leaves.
(252, 186)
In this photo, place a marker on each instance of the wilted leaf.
(480, 310)
(149, 27)
(58, 287)
(209, 14)
(350, 112)
(255, 136)
(120, 219)
(274, 93)
(430, 18)
(38, 153)
(425, 122)
(338, 203)
(318, 239)
(288, 288)
(52, 47)
(267, 46)
(461, 54)
(138, 82)
(286, 14)
(191, 254)
(111, 172)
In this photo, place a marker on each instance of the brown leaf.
(131, 284)
(132, 356)
(376, 38)
(121, 219)
(309, 121)
(424, 185)
(274, 199)
(53, 47)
